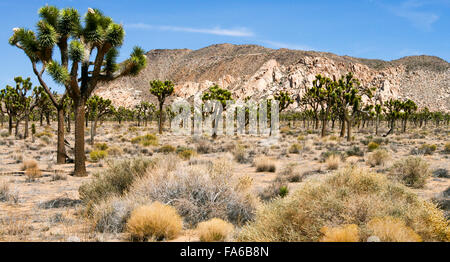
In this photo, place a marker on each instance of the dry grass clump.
(378, 157)
(101, 146)
(240, 154)
(411, 171)
(215, 230)
(295, 149)
(290, 173)
(333, 162)
(346, 233)
(147, 140)
(204, 146)
(265, 164)
(97, 155)
(185, 153)
(447, 148)
(29, 164)
(390, 229)
(156, 221)
(32, 174)
(114, 151)
(6, 195)
(350, 196)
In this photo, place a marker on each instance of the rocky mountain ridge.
(259, 72)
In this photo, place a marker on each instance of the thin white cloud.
(413, 11)
(236, 32)
(276, 44)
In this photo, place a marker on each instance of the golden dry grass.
(347, 233)
(378, 157)
(333, 162)
(33, 173)
(390, 229)
(265, 164)
(156, 221)
(214, 230)
(29, 164)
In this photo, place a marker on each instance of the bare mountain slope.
(251, 70)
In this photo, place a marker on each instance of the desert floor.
(49, 209)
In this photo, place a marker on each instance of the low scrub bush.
(97, 155)
(355, 151)
(114, 151)
(378, 157)
(411, 171)
(114, 180)
(214, 230)
(427, 149)
(240, 154)
(156, 222)
(290, 173)
(350, 196)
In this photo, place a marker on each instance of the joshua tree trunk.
(342, 128)
(93, 129)
(17, 128)
(377, 123)
(160, 117)
(80, 167)
(10, 125)
(61, 149)
(47, 116)
(25, 132)
(349, 130)
(324, 122)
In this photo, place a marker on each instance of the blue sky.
(362, 28)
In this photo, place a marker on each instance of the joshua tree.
(218, 94)
(98, 108)
(378, 111)
(18, 103)
(44, 105)
(409, 107)
(98, 36)
(161, 90)
(392, 110)
(349, 98)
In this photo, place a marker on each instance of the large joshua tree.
(89, 58)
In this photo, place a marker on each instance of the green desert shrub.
(411, 171)
(372, 146)
(166, 149)
(295, 149)
(114, 180)
(350, 196)
(147, 140)
(185, 153)
(97, 155)
(101, 146)
(447, 148)
(427, 149)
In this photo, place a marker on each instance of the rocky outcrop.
(255, 71)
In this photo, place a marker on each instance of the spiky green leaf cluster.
(110, 58)
(58, 73)
(76, 51)
(136, 62)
